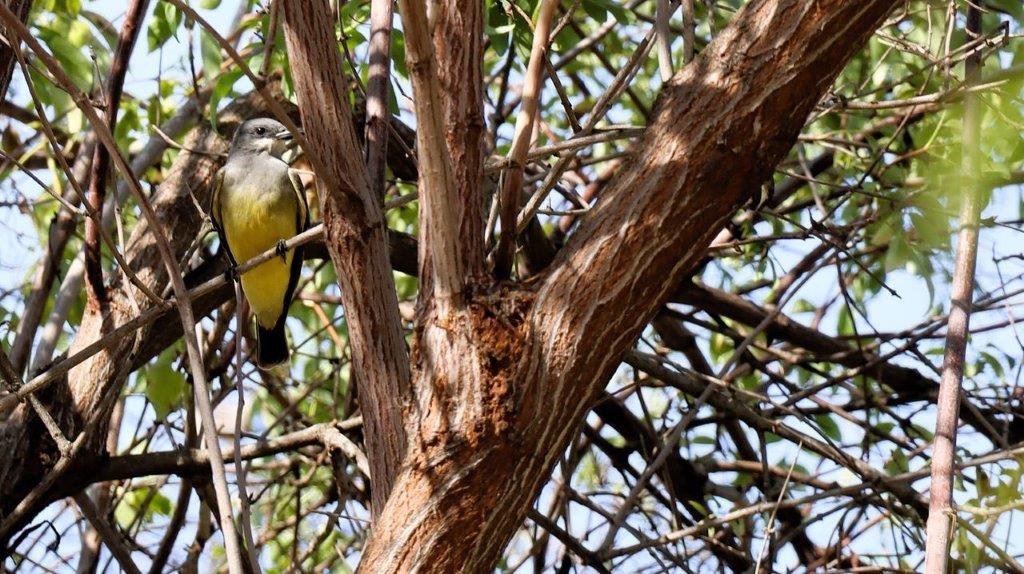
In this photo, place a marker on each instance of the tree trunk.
(502, 382)
(356, 237)
(464, 430)
(489, 426)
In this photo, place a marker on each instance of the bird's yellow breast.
(253, 222)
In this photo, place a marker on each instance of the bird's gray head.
(262, 136)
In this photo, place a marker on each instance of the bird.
(258, 203)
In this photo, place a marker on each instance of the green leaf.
(133, 501)
(897, 463)
(398, 53)
(164, 387)
(599, 10)
(160, 505)
(104, 27)
(829, 427)
(220, 89)
(898, 253)
(596, 10)
(70, 41)
(164, 24)
(845, 324)
(209, 4)
(802, 306)
(210, 51)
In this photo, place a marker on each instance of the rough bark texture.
(7, 60)
(80, 397)
(503, 374)
(356, 236)
(458, 38)
(381, 16)
(491, 425)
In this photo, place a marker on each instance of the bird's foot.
(231, 273)
(281, 248)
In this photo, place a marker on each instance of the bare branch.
(101, 161)
(381, 13)
(439, 216)
(940, 514)
(356, 235)
(511, 187)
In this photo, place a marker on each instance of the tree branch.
(511, 187)
(101, 159)
(356, 235)
(377, 116)
(21, 9)
(441, 264)
(458, 38)
(940, 514)
(170, 261)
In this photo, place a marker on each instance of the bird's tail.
(271, 345)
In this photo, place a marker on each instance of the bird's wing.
(216, 216)
(301, 224)
(302, 217)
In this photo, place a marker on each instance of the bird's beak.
(286, 137)
(284, 142)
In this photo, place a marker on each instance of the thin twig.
(114, 541)
(240, 468)
(97, 291)
(525, 121)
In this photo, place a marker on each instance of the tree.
(521, 378)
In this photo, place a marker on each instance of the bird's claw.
(231, 273)
(281, 248)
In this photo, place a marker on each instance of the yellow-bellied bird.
(258, 203)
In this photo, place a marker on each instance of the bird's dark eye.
(261, 131)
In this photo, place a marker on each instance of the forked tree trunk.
(464, 430)
(503, 374)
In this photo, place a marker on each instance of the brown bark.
(381, 15)
(490, 425)
(511, 189)
(503, 375)
(356, 237)
(458, 39)
(21, 9)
